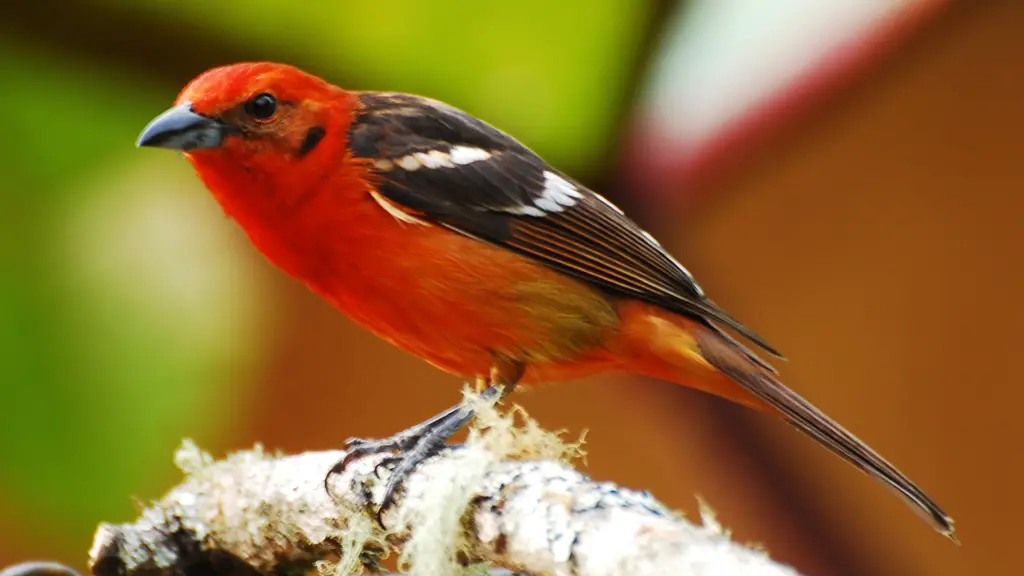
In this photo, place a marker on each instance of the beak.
(182, 129)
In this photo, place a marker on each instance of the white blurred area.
(723, 59)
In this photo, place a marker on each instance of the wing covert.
(456, 170)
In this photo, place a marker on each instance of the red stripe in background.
(656, 163)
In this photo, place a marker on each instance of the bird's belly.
(459, 303)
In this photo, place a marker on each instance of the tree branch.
(257, 514)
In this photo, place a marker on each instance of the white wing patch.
(409, 163)
(454, 156)
(435, 159)
(557, 195)
(463, 155)
(525, 211)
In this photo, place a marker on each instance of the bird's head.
(254, 122)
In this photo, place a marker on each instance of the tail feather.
(735, 363)
(739, 346)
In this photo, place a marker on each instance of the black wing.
(460, 172)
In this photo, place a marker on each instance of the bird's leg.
(402, 441)
(418, 443)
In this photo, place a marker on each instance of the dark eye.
(261, 107)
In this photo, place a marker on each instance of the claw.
(385, 464)
(414, 445)
(359, 447)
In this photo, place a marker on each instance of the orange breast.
(452, 300)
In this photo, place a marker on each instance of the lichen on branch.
(507, 498)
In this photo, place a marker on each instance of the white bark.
(465, 506)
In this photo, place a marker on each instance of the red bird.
(453, 241)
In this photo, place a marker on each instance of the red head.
(257, 133)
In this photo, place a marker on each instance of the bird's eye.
(261, 107)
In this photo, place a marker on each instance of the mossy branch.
(506, 499)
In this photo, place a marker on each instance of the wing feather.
(481, 182)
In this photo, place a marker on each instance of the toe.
(388, 464)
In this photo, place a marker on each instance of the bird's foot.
(413, 446)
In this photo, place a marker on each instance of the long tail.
(735, 362)
(699, 355)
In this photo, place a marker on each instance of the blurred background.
(845, 177)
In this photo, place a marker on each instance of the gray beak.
(182, 129)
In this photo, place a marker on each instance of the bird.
(455, 242)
